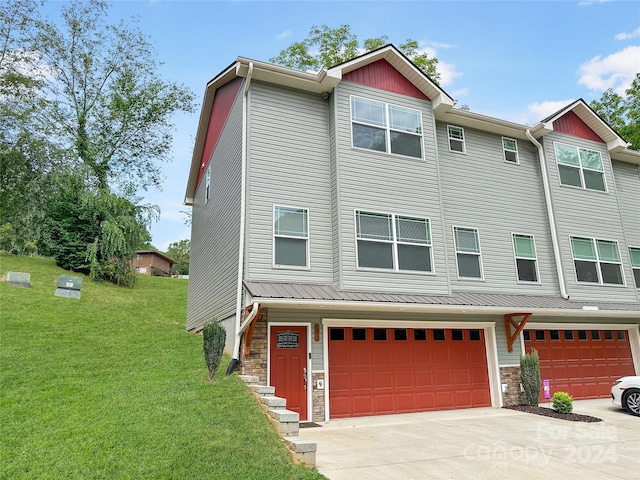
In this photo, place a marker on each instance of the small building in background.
(150, 262)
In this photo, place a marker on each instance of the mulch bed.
(548, 412)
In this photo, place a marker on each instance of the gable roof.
(616, 145)
(326, 79)
(157, 254)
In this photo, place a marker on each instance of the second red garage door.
(374, 371)
(583, 363)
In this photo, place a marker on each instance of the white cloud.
(283, 35)
(536, 112)
(448, 73)
(628, 36)
(616, 71)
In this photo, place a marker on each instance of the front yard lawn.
(112, 387)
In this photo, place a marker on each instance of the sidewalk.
(481, 443)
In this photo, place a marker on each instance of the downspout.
(243, 201)
(550, 212)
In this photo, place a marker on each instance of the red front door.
(288, 366)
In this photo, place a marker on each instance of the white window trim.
(597, 262)
(633, 269)
(273, 236)
(207, 185)
(515, 258)
(479, 254)
(581, 170)
(387, 128)
(464, 140)
(394, 243)
(505, 150)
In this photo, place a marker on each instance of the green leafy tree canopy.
(107, 100)
(325, 47)
(622, 112)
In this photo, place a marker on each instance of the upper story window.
(524, 249)
(393, 242)
(580, 167)
(456, 139)
(597, 261)
(386, 128)
(468, 256)
(510, 149)
(290, 237)
(207, 185)
(634, 253)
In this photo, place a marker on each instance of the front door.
(288, 366)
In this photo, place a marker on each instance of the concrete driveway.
(481, 443)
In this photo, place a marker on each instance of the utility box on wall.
(68, 286)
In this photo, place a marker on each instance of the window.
(526, 260)
(207, 185)
(597, 261)
(468, 252)
(634, 253)
(393, 242)
(579, 167)
(456, 139)
(510, 149)
(291, 237)
(359, 334)
(380, 334)
(420, 334)
(386, 128)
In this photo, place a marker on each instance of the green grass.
(111, 386)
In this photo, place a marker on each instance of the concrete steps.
(286, 422)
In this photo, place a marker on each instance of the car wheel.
(631, 401)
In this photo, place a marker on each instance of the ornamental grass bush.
(562, 402)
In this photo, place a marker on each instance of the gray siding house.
(371, 249)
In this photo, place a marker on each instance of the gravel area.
(549, 412)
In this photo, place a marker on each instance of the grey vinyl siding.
(627, 178)
(215, 231)
(378, 182)
(335, 200)
(288, 166)
(480, 190)
(448, 321)
(592, 214)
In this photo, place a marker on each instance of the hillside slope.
(111, 386)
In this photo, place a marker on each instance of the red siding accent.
(222, 103)
(382, 75)
(571, 124)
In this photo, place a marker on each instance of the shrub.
(530, 376)
(214, 337)
(562, 402)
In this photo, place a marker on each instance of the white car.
(626, 393)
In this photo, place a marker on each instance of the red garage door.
(583, 363)
(374, 371)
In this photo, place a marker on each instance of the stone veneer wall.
(255, 363)
(511, 376)
(317, 398)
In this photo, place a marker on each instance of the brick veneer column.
(317, 399)
(511, 376)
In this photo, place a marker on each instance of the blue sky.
(514, 60)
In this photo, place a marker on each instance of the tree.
(94, 231)
(326, 47)
(180, 251)
(622, 113)
(107, 101)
